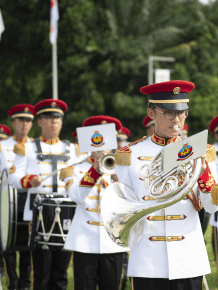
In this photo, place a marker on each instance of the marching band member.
(96, 259)
(171, 253)
(74, 136)
(40, 158)
(122, 137)
(22, 116)
(149, 124)
(213, 127)
(5, 132)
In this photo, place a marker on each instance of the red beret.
(51, 106)
(22, 110)
(213, 127)
(172, 95)
(74, 134)
(147, 122)
(5, 131)
(185, 128)
(99, 120)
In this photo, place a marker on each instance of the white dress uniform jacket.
(183, 258)
(7, 151)
(87, 233)
(28, 165)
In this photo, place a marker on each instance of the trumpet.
(107, 164)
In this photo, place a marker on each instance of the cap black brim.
(174, 106)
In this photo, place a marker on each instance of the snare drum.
(51, 222)
(14, 231)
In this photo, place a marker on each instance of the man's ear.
(39, 121)
(13, 123)
(151, 113)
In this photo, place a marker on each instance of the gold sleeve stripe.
(68, 184)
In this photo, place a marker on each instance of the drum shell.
(14, 231)
(66, 210)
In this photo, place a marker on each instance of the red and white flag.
(54, 21)
(2, 27)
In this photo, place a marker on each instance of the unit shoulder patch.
(123, 155)
(19, 148)
(211, 153)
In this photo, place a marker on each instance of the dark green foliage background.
(103, 49)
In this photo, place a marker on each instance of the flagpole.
(55, 70)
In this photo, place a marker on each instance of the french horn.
(123, 214)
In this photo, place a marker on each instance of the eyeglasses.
(169, 115)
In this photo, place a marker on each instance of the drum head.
(4, 212)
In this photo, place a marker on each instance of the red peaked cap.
(185, 127)
(22, 110)
(74, 134)
(99, 120)
(51, 107)
(5, 131)
(125, 131)
(172, 95)
(147, 122)
(123, 134)
(213, 127)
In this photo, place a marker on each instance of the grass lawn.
(211, 278)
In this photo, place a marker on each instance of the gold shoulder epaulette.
(123, 155)
(211, 153)
(66, 172)
(19, 148)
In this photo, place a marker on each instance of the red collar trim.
(163, 141)
(49, 141)
(24, 140)
(90, 160)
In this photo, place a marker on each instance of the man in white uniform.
(122, 137)
(149, 124)
(5, 132)
(171, 253)
(97, 260)
(21, 116)
(213, 127)
(40, 158)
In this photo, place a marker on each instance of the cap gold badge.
(53, 104)
(176, 90)
(104, 122)
(26, 109)
(1, 129)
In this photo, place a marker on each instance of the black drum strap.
(54, 159)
